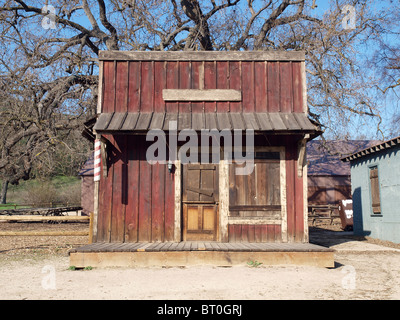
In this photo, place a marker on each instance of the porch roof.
(130, 122)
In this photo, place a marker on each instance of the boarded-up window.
(375, 195)
(259, 193)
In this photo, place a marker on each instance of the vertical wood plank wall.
(136, 199)
(267, 86)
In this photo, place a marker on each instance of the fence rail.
(40, 211)
(321, 212)
(44, 233)
(41, 204)
(34, 218)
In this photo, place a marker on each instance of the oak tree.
(49, 70)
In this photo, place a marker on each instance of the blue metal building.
(375, 180)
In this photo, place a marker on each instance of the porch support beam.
(301, 161)
(178, 196)
(223, 200)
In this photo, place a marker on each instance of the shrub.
(42, 194)
(70, 194)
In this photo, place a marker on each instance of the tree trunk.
(3, 199)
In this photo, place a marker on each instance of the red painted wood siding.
(254, 233)
(294, 194)
(136, 200)
(266, 86)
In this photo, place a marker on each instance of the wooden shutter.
(375, 196)
(256, 194)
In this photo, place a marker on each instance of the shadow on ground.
(329, 238)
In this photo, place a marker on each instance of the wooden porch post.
(223, 207)
(96, 178)
(178, 200)
(98, 138)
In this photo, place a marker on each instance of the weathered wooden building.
(375, 181)
(241, 93)
(262, 91)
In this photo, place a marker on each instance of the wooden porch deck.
(199, 253)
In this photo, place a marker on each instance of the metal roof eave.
(371, 150)
(136, 122)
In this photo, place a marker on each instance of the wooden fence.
(320, 212)
(36, 218)
(40, 211)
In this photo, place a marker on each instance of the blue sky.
(389, 103)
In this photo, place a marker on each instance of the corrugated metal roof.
(132, 121)
(373, 149)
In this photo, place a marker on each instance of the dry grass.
(44, 192)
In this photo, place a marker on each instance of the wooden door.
(200, 202)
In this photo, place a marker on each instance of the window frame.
(282, 167)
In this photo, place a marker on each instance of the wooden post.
(223, 209)
(282, 168)
(305, 201)
(91, 227)
(93, 219)
(304, 169)
(302, 173)
(178, 209)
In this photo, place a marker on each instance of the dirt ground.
(38, 268)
